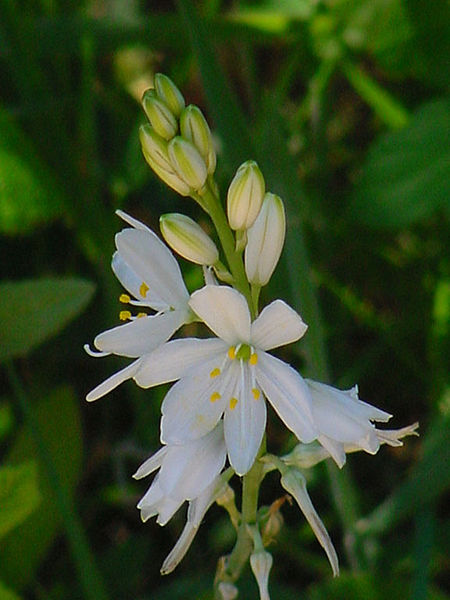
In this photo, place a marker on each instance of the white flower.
(229, 375)
(344, 422)
(186, 472)
(150, 273)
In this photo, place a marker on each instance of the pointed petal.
(112, 382)
(277, 325)
(175, 359)
(335, 449)
(187, 470)
(133, 284)
(151, 464)
(288, 394)
(131, 220)
(194, 405)
(141, 335)
(153, 262)
(244, 425)
(178, 552)
(225, 312)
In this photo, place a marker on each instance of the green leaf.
(34, 310)
(29, 195)
(405, 176)
(23, 549)
(19, 495)
(7, 594)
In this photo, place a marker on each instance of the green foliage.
(40, 309)
(7, 594)
(19, 495)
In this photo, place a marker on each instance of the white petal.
(112, 382)
(193, 407)
(244, 425)
(288, 394)
(133, 284)
(168, 508)
(151, 260)
(178, 552)
(225, 312)
(131, 220)
(277, 325)
(151, 464)
(173, 360)
(141, 335)
(335, 449)
(187, 470)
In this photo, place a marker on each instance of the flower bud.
(227, 591)
(169, 93)
(261, 563)
(188, 239)
(265, 241)
(245, 196)
(305, 456)
(187, 162)
(193, 127)
(159, 114)
(155, 150)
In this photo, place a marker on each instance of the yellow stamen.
(232, 352)
(215, 396)
(215, 372)
(256, 393)
(141, 314)
(253, 359)
(124, 315)
(124, 298)
(143, 289)
(233, 402)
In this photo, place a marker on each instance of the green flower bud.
(245, 196)
(188, 239)
(193, 127)
(169, 93)
(159, 114)
(265, 241)
(156, 153)
(187, 162)
(261, 563)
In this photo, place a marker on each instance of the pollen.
(124, 315)
(141, 314)
(256, 393)
(124, 298)
(214, 397)
(215, 372)
(233, 402)
(232, 352)
(253, 359)
(143, 289)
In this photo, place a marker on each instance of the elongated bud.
(159, 114)
(188, 239)
(187, 162)
(261, 563)
(169, 93)
(265, 240)
(294, 483)
(193, 127)
(245, 196)
(156, 153)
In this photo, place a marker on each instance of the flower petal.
(225, 312)
(173, 360)
(141, 335)
(277, 325)
(133, 284)
(112, 382)
(244, 424)
(151, 464)
(151, 260)
(131, 220)
(288, 394)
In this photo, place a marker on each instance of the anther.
(256, 393)
(143, 289)
(124, 298)
(124, 315)
(141, 314)
(232, 352)
(253, 359)
(215, 372)
(215, 396)
(233, 402)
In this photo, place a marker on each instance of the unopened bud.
(187, 162)
(193, 127)
(227, 591)
(272, 527)
(245, 196)
(169, 93)
(188, 239)
(155, 151)
(305, 456)
(261, 563)
(159, 114)
(265, 240)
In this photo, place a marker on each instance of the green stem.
(88, 574)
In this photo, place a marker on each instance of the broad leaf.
(19, 495)
(34, 310)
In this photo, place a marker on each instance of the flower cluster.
(215, 413)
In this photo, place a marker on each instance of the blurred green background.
(345, 106)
